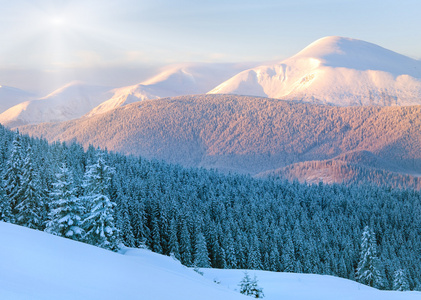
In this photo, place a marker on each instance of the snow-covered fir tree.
(30, 208)
(67, 210)
(185, 245)
(368, 271)
(249, 287)
(201, 256)
(174, 247)
(11, 182)
(400, 281)
(98, 222)
(123, 223)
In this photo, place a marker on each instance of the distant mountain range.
(76, 99)
(333, 70)
(183, 79)
(256, 136)
(10, 96)
(337, 71)
(69, 102)
(352, 115)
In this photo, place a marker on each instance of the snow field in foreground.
(36, 265)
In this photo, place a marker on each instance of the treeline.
(207, 219)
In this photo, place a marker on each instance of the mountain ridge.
(11, 96)
(176, 80)
(335, 71)
(248, 134)
(71, 101)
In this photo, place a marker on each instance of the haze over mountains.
(77, 99)
(10, 96)
(69, 102)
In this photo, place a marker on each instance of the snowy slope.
(10, 96)
(184, 79)
(69, 102)
(334, 70)
(306, 286)
(36, 265)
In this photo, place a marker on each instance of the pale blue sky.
(46, 43)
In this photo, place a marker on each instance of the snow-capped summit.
(335, 70)
(10, 96)
(182, 79)
(68, 102)
(341, 52)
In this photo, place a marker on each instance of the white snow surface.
(10, 96)
(68, 102)
(36, 265)
(175, 80)
(337, 71)
(305, 286)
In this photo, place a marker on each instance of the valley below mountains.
(260, 136)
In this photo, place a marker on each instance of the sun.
(57, 21)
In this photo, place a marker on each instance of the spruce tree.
(155, 232)
(254, 260)
(185, 245)
(12, 178)
(368, 271)
(67, 210)
(123, 223)
(201, 256)
(400, 281)
(98, 222)
(29, 209)
(174, 247)
(249, 287)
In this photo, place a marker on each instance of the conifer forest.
(366, 233)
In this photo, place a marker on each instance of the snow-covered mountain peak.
(342, 52)
(175, 80)
(68, 102)
(334, 70)
(11, 96)
(320, 48)
(172, 73)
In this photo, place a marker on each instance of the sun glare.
(57, 21)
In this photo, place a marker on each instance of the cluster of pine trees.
(206, 219)
(86, 215)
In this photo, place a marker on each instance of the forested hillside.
(341, 171)
(251, 135)
(207, 219)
